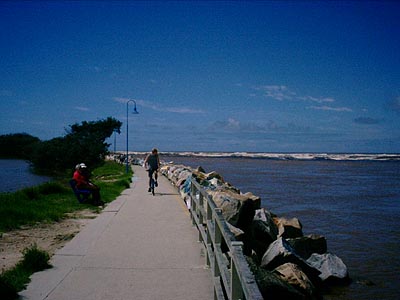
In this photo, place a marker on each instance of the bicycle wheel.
(152, 186)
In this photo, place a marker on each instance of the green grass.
(45, 203)
(15, 279)
(112, 180)
(51, 201)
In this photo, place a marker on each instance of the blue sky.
(273, 76)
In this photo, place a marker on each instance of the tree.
(83, 142)
(18, 145)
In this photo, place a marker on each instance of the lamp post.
(127, 130)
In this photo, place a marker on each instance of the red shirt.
(80, 179)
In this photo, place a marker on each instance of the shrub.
(7, 291)
(35, 259)
(32, 193)
(53, 188)
(15, 280)
(83, 142)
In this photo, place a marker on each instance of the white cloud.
(81, 108)
(184, 110)
(150, 105)
(277, 92)
(330, 108)
(230, 124)
(282, 92)
(318, 100)
(233, 125)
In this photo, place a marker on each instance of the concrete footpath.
(140, 247)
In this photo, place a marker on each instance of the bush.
(53, 188)
(35, 260)
(32, 193)
(15, 280)
(83, 142)
(7, 291)
(19, 145)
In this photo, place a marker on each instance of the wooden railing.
(232, 277)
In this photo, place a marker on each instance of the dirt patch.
(48, 237)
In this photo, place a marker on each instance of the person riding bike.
(153, 162)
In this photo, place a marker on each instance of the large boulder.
(264, 231)
(261, 237)
(212, 175)
(266, 218)
(230, 203)
(237, 232)
(175, 173)
(200, 177)
(182, 176)
(331, 267)
(280, 252)
(293, 275)
(213, 181)
(307, 245)
(289, 228)
(244, 222)
(272, 286)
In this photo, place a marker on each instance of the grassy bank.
(46, 203)
(14, 280)
(51, 201)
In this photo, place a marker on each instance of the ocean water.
(354, 203)
(15, 174)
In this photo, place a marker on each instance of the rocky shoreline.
(286, 263)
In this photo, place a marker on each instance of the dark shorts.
(151, 171)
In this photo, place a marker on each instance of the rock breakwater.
(286, 263)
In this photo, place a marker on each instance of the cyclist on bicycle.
(153, 163)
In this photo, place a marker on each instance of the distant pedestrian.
(152, 163)
(82, 178)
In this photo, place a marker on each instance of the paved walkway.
(140, 247)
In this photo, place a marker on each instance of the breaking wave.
(289, 156)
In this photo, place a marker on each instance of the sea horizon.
(349, 156)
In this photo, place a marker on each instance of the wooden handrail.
(233, 279)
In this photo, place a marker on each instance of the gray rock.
(289, 228)
(272, 286)
(307, 245)
(264, 231)
(331, 267)
(267, 218)
(293, 275)
(280, 252)
(231, 202)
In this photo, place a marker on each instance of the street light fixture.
(127, 130)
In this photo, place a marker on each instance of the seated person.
(81, 176)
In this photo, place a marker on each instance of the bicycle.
(153, 182)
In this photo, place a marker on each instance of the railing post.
(200, 213)
(193, 192)
(232, 277)
(209, 220)
(209, 210)
(217, 239)
(236, 286)
(201, 205)
(217, 230)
